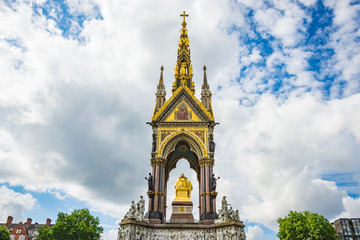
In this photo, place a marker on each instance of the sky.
(77, 84)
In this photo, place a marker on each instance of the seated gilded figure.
(183, 189)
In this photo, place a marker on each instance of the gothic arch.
(193, 141)
(182, 146)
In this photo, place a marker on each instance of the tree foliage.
(306, 225)
(78, 225)
(4, 233)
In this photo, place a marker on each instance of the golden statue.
(183, 68)
(183, 189)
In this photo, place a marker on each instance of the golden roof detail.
(183, 77)
(192, 95)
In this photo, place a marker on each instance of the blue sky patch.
(70, 22)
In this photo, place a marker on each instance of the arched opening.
(182, 145)
(182, 156)
(190, 141)
(182, 151)
(182, 166)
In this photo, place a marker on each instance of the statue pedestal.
(182, 212)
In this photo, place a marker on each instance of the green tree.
(78, 225)
(45, 233)
(4, 233)
(306, 225)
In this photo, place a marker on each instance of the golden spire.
(183, 68)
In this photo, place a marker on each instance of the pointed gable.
(183, 106)
(183, 112)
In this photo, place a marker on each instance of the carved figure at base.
(136, 211)
(226, 213)
(224, 203)
(132, 211)
(141, 207)
(237, 216)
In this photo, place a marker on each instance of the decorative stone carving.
(226, 213)
(206, 162)
(132, 211)
(228, 227)
(144, 232)
(158, 161)
(136, 212)
(140, 209)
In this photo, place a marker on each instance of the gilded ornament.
(183, 189)
(206, 162)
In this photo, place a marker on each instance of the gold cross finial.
(184, 15)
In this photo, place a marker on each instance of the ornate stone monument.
(183, 128)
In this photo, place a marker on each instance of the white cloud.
(14, 204)
(284, 21)
(255, 233)
(252, 58)
(308, 2)
(346, 47)
(352, 207)
(281, 151)
(110, 234)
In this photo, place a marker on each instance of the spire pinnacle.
(183, 68)
(206, 93)
(205, 78)
(161, 81)
(161, 93)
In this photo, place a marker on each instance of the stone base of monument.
(131, 229)
(182, 212)
(154, 217)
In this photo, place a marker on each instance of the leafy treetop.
(306, 225)
(4, 233)
(78, 225)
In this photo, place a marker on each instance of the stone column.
(156, 205)
(201, 189)
(156, 188)
(162, 190)
(207, 197)
(207, 189)
(165, 197)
